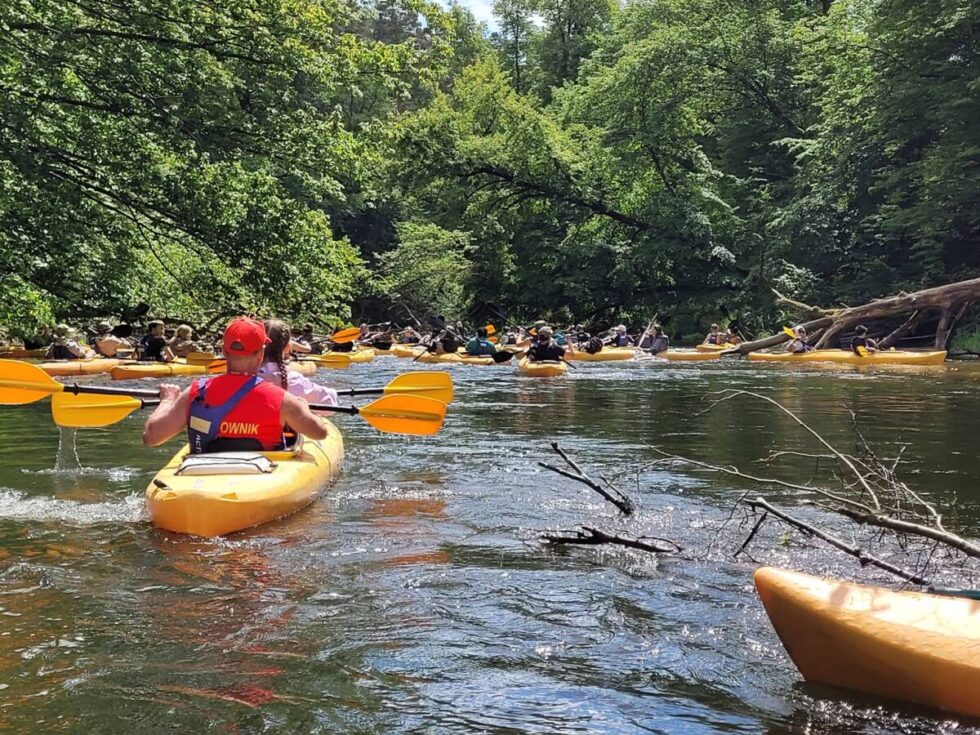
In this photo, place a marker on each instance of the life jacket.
(621, 340)
(477, 346)
(712, 339)
(593, 346)
(247, 419)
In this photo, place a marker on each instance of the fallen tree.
(944, 304)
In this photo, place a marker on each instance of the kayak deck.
(94, 366)
(219, 504)
(606, 354)
(909, 646)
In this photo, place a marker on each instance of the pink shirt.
(300, 385)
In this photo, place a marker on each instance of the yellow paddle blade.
(200, 358)
(345, 335)
(87, 411)
(435, 385)
(491, 330)
(789, 331)
(21, 382)
(863, 351)
(335, 360)
(405, 414)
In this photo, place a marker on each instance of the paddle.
(22, 383)
(431, 384)
(345, 336)
(395, 414)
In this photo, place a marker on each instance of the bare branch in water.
(613, 495)
(589, 536)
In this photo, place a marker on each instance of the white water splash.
(18, 506)
(67, 460)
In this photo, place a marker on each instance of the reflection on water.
(414, 597)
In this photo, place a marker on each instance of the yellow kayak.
(173, 369)
(95, 366)
(20, 353)
(362, 355)
(848, 357)
(607, 354)
(303, 367)
(704, 347)
(909, 646)
(447, 357)
(689, 355)
(475, 359)
(217, 494)
(544, 369)
(405, 350)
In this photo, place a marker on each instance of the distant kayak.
(908, 646)
(406, 350)
(19, 353)
(606, 354)
(703, 347)
(137, 370)
(433, 358)
(848, 357)
(544, 369)
(95, 366)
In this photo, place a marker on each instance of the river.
(414, 595)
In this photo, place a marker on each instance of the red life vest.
(253, 418)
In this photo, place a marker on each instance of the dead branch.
(589, 536)
(860, 554)
(613, 495)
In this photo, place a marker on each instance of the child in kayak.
(154, 346)
(862, 342)
(183, 343)
(238, 411)
(274, 369)
(714, 337)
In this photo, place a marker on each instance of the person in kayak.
(480, 344)
(714, 337)
(545, 349)
(106, 343)
(238, 411)
(799, 345)
(861, 341)
(154, 346)
(66, 345)
(620, 338)
(183, 342)
(409, 337)
(273, 370)
(656, 341)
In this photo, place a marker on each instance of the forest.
(589, 160)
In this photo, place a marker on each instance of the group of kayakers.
(64, 343)
(860, 342)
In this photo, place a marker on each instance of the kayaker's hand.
(169, 393)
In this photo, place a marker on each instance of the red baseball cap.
(244, 336)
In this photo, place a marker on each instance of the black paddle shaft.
(106, 391)
(351, 410)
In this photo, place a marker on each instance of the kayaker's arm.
(296, 413)
(169, 418)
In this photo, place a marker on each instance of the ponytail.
(279, 335)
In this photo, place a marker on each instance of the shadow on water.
(414, 597)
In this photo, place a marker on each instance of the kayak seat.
(226, 463)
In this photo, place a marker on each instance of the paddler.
(106, 343)
(409, 337)
(799, 345)
(714, 337)
(620, 338)
(66, 345)
(655, 342)
(183, 342)
(480, 344)
(861, 341)
(545, 349)
(274, 370)
(154, 346)
(238, 411)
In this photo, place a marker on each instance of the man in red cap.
(238, 411)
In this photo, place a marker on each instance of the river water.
(414, 595)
